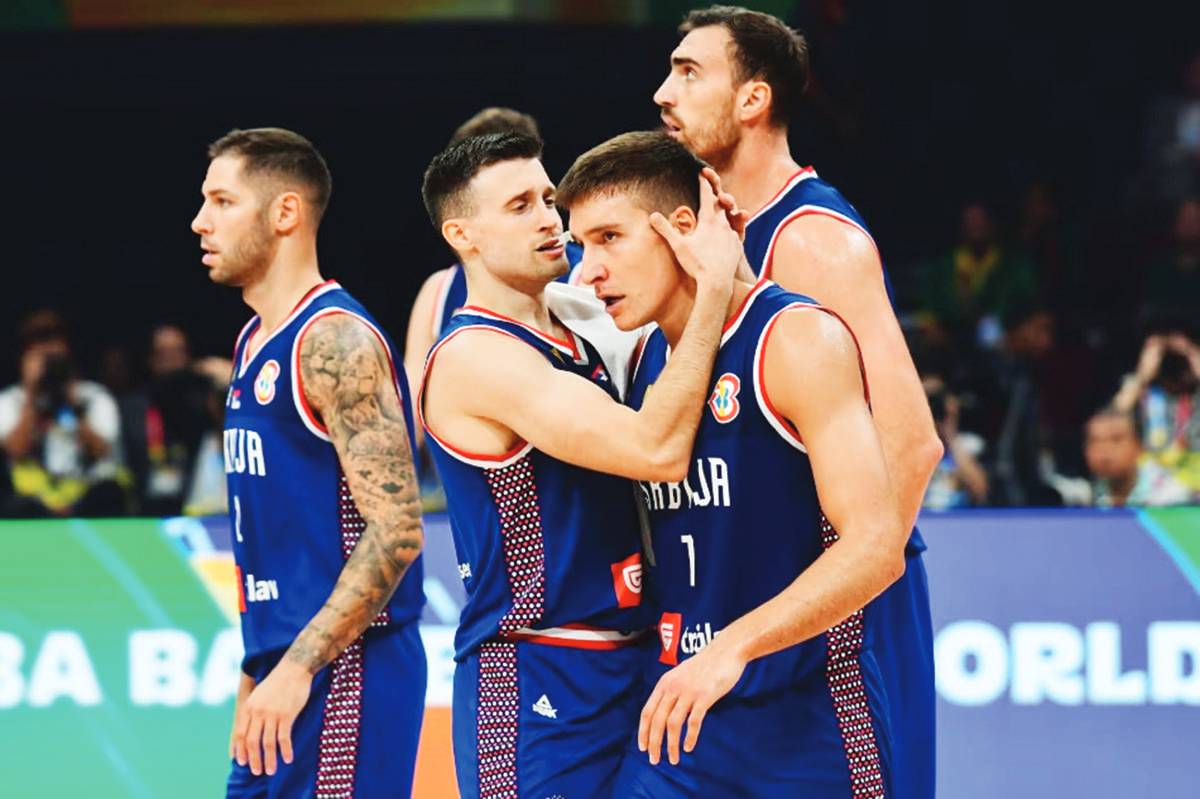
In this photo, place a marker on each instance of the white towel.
(579, 309)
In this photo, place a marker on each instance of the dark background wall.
(917, 107)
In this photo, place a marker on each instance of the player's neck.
(525, 304)
(759, 168)
(282, 286)
(674, 316)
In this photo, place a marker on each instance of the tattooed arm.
(347, 379)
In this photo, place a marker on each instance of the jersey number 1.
(690, 543)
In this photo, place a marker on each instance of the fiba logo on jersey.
(724, 402)
(264, 384)
(627, 581)
(668, 635)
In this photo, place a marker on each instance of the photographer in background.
(1164, 392)
(959, 480)
(60, 433)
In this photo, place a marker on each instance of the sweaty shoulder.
(811, 337)
(827, 237)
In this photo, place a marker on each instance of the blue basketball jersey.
(452, 293)
(294, 519)
(746, 521)
(547, 551)
(804, 194)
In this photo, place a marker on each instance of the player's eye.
(608, 236)
(689, 73)
(520, 206)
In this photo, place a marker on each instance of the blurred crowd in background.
(1057, 372)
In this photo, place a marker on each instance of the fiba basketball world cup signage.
(1067, 647)
(1068, 652)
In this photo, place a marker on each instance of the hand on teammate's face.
(712, 251)
(683, 696)
(738, 217)
(262, 727)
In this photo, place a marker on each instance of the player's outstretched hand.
(263, 723)
(683, 695)
(712, 251)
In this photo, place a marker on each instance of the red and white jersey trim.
(802, 175)
(439, 306)
(481, 460)
(305, 301)
(808, 210)
(577, 636)
(572, 347)
(734, 322)
(777, 421)
(307, 416)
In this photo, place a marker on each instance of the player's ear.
(455, 232)
(684, 219)
(286, 212)
(753, 100)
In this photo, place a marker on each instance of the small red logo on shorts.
(669, 627)
(627, 581)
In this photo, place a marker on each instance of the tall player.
(323, 494)
(735, 78)
(445, 291)
(546, 692)
(762, 636)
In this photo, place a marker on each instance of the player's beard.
(716, 141)
(249, 259)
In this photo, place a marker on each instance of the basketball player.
(734, 80)
(322, 491)
(745, 568)
(547, 688)
(445, 291)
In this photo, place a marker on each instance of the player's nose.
(200, 225)
(591, 271)
(664, 97)
(550, 220)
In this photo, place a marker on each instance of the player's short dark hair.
(496, 119)
(450, 172)
(281, 157)
(763, 48)
(661, 171)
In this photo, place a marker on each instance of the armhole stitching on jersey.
(773, 417)
(483, 461)
(807, 210)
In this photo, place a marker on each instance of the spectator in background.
(207, 494)
(976, 282)
(164, 423)
(1172, 289)
(959, 480)
(1173, 141)
(1121, 475)
(1164, 392)
(1020, 468)
(61, 434)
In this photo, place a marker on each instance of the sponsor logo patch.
(668, 634)
(627, 581)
